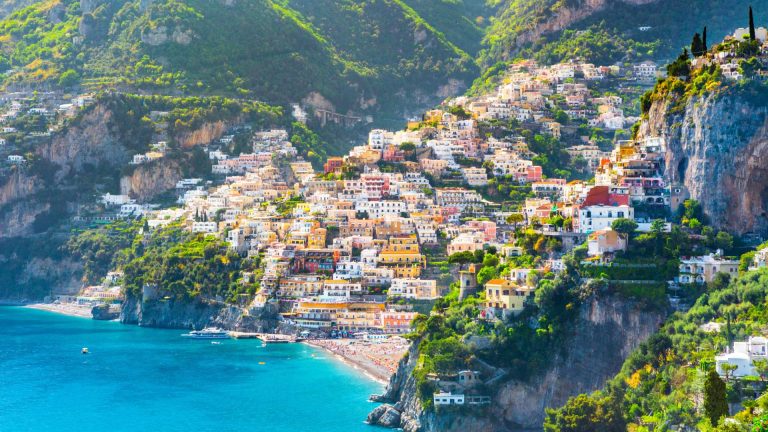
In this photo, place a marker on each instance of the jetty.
(264, 337)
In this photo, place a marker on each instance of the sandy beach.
(378, 359)
(63, 308)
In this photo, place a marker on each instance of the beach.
(379, 359)
(63, 308)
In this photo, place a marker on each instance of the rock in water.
(102, 312)
(385, 415)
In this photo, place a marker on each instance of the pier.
(264, 337)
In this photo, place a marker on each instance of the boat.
(84, 350)
(207, 333)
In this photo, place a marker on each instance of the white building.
(599, 217)
(743, 356)
(116, 200)
(704, 268)
(422, 289)
(442, 398)
(205, 227)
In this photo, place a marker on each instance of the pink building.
(487, 228)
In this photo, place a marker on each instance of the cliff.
(604, 334)
(717, 148)
(537, 18)
(152, 179)
(171, 313)
(91, 141)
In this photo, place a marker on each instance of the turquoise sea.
(138, 379)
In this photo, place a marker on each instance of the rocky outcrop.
(205, 134)
(563, 17)
(152, 179)
(16, 213)
(162, 35)
(90, 141)
(104, 313)
(185, 314)
(385, 415)
(717, 148)
(607, 330)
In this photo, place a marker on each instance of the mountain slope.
(280, 51)
(535, 27)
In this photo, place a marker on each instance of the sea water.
(139, 379)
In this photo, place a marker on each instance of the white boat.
(207, 333)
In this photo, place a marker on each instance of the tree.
(624, 226)
(715, 403)
(407, 146)
(515, 218)
(697, 46)
(704, 39)
(658, 226)
(485, 274)
(723, 240)
(728, 370)
(749, 68)
(586, 413)
(761, 367)
(465, 257)
(681, 67)
(752, 35)
(69, 78)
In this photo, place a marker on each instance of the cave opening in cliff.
(764, 200)
(682, 167)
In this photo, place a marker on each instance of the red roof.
(601, 195)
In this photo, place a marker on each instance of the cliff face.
(717, 147)
(206, 133)
(563, 18)
(604, 334)
(197, 314)
(16, 213)
(150, 180)
(92, 141)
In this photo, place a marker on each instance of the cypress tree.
(704, 40)
(697, 47)
(752, 35)
(715, 404)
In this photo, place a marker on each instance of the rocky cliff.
(171, 313)
(92, 140)
(152, 179)
(17, 214)
(549, 17)
(604, 334)
(717, 147)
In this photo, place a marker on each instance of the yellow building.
(402, 251)
(360, 316)
(297, 239)
(316, 239)
(506, 296)
(316, 314)
(408, 272)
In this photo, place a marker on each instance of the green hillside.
(611, 34)
(280, 51)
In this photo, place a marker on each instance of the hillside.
(715, 130)
(607, 31)
(294, 49)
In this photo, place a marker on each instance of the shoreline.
(62, 309)
(377, 373)
(379, 360)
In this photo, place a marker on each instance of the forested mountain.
(356, 55)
